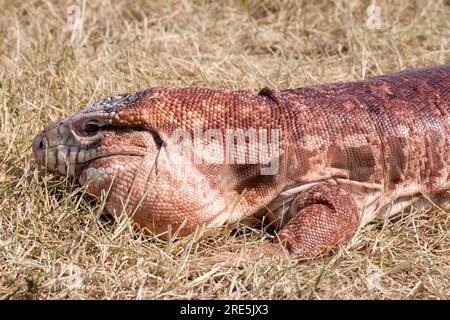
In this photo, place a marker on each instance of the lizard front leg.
(323, 216)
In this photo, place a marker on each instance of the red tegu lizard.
(318, 161)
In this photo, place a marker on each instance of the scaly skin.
(346, 153)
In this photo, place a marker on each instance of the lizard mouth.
(71, 160)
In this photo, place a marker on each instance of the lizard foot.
(323, 216)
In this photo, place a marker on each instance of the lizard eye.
(91, 128)
(158, 141)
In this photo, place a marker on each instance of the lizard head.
(71, 145)
(128, 148)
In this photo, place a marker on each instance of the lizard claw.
(246, 256)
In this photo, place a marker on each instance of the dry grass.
(53, 244)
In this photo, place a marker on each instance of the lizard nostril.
(39, 146)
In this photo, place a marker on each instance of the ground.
(56, 57)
